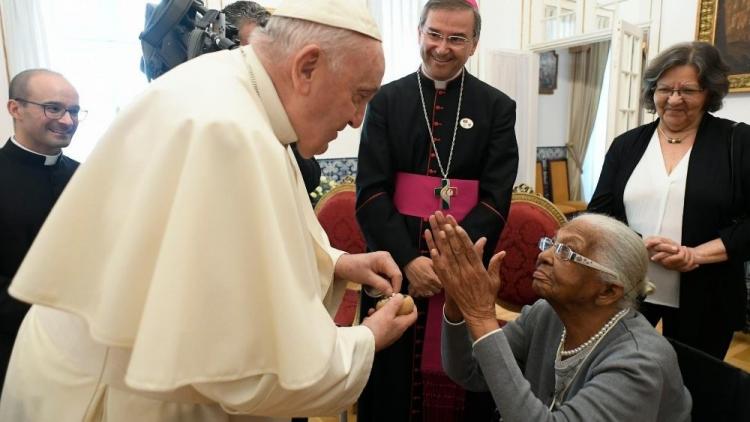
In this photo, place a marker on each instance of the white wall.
(346, 145)
(736, 107)
(501, 25)
(635, 11)
(554, 110)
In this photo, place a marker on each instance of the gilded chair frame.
(343, 187)
(524, 193)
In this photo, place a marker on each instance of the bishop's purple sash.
(415, 196)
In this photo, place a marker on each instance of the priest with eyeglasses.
(33, 173)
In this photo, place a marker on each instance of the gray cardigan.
(632, 375)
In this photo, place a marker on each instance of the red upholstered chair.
(335, 212)
(531, 217)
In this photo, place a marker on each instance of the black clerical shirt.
(28, 190)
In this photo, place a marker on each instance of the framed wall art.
(726, 24)
(547, 72)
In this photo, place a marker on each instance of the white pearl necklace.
(602, 332)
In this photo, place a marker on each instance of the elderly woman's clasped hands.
(470, 289)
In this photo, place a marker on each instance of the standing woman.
(683, 183)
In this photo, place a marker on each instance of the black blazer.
(715, 206)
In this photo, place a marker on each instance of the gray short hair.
(240, 12)
(452, 5)
(619, 248)
(283, 36)
(712, 71)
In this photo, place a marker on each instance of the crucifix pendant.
(445, 191)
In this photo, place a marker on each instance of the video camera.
(179, 30)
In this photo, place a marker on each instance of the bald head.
(19, 85)
(36, 98)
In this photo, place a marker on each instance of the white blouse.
(654, 200)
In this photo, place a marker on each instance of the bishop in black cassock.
(395, 139)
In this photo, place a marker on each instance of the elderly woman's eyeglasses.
(664, 92)
(56, 111)
(564, 252)
(454, 40)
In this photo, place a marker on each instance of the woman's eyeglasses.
(564, 252)
(664, 92)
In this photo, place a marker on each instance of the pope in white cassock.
(182, 275)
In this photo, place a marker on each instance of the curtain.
(516, 73)
(589, 63)
(25, 35)
(398, 22)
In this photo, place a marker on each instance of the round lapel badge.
(467, 123)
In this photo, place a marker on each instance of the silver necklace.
(445, 191)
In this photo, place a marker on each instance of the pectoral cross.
(445, 191)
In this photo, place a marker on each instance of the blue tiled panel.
(338, 168)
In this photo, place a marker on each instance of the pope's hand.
(375, 269)
(386, 325)
(423, 282)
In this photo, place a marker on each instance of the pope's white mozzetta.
(183, 270)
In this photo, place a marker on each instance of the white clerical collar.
(440, 84)
(261, 81)
(49, 160)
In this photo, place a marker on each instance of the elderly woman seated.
(582, 352)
